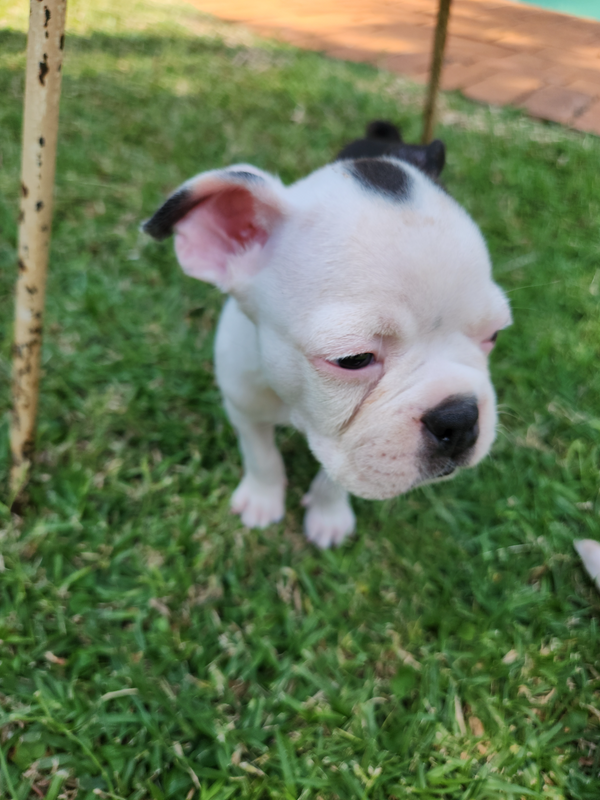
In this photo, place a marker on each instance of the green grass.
(149, 644)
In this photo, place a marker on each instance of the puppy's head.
(372, 294)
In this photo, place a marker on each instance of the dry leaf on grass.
(476, 726)
(510, 657)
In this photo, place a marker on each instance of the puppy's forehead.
(382, 222)
(378, 234)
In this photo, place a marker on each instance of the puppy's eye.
(355, 362)
(488, 345)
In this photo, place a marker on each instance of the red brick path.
(498, 52)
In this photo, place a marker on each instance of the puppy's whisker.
(532, 286)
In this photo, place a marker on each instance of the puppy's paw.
(258, 504)
(328, 524)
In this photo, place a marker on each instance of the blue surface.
(577, 8)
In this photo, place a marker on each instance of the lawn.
(150, 646)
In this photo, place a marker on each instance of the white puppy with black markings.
(362, 311)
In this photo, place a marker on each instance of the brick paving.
(498, 52)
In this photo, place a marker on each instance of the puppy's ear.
(429, 158)
(221, 220)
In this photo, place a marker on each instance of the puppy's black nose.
(453, 425)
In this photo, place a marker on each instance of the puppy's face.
(376, 315)
(372, 295)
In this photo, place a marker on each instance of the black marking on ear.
(382, 129)
(249, 177)
(429, 158)
(382, 176)
(380, 137)
(436, 156)
(160, 225)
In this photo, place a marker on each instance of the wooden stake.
(439, 46)
(45, 45)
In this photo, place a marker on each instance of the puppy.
(362, 311)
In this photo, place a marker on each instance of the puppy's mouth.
(440, 472)
(447, 471)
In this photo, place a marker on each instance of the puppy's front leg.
(329, 518)
(260, 497)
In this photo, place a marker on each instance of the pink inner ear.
(237, 210)
(227, 223)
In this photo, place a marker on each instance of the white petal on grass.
(460, 719)
(119, 693)
(589, 552)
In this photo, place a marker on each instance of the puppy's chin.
(362, 474)
(373, 487)
(365, 474)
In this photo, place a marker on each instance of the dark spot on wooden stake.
(36, 331)
(42, 141)
(44, 70)
(39, 205)
(47, 16)
(22, 266)
(28, 449)
(24, 190)
(62, 42)
(31, 289)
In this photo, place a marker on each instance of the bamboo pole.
(437, 59)
(45, 43)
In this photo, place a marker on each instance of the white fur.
(334, 269)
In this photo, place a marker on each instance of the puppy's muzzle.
(451, 430)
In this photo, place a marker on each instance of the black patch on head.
(160, 225)
(384, 139)
(382, 176)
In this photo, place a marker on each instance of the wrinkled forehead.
(386, 240)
